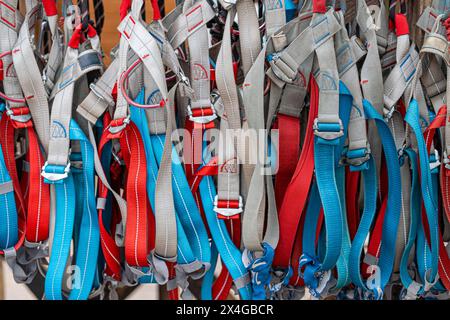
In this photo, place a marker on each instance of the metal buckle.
(276, 62)
(93, 87)
(201, 119)
(228, 212)
(388, 115)
(435, 163)
(55, 177)
(358, 157)
(117, 129)
(334, 130)
(22, 118)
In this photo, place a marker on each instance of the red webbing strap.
(125, 6)
(319, 6)
(193, 156)
(173, 294)
(352, 201)
(288, 152)
(50, 7)
(297, 251)
(222, 285)
(110, 249)
(7, 141)
(34, 192)
(375, 238)
(297, 192)
(444, 261)
(38, 195)
(136, 232)
(156, 11)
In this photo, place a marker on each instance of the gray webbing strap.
(285, 64)
(250, 45)
(348, 53)
(249, 37)
(198, 44)
(275, 15)
(399, 79)
(136, 37)
(166, 228)
(428, 19)
(87, 61)
(328, 80)
(10, 23)
(100, 99)
(261, 181)
(371, 74)
(30, 80)
(59, 144)
(183, 22)
(228, 178)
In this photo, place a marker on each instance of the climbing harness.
(243, 149)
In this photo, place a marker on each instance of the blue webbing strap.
(345, 109)
(208, 279)
(186, 206)
(405, 275)
(392, 215)
(413, 119)
(330, 178)
(138, 116)
(367, 218)
(230, 255)
(89, 236)
(185, 254)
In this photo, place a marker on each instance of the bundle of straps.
(254, 149)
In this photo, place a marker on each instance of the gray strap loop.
(158, 268)
(21, 274)
(6, 187)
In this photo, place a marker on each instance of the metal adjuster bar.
(203, 119)
(57, 174)
(228, 212)
(328, 131)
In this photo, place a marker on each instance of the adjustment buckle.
(54, 174)
(20, 115)
(388, 113)
(357, 159)
(328, 132)
(101, 94)
(228, 212)
(281, 69)
(202, 115)
(118, 125)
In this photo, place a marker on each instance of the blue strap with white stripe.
(88, 242)
(392, 215)
(139, 117)
(413, 119)
(415, 206)
(330, 178)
